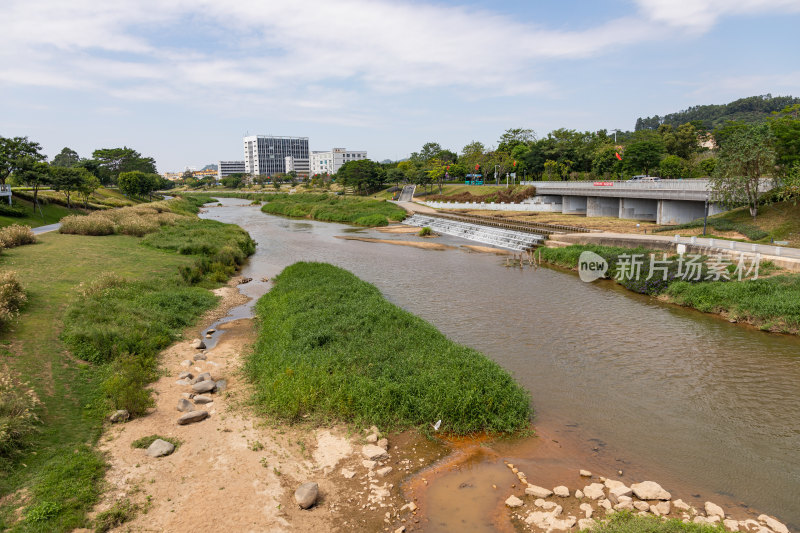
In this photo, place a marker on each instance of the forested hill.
(752, 109)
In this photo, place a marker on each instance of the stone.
(306, 494)
(185, 375)
(201, 399)
(411, 506)
(594, 491)
(401, 529)
(513, 501)
(712, 509)
(617, 492)
(586, 523)
(587, 509)
(579, 494)
(682, 505)
(605, 504)
(347, 473)
(369, 465)
(221, 385)
(160, 448)
(539, 492)
(374, 453)
(641, 506)
(183, 382)
(774, 525)
(701, 520)
(624, 503)
(211, 331)
(613, 483)
(209, 335)
(383, 443)
(204, 386)
(186, 362)
(185, 405)
(566, 523)
(383, 472)
(731, 525)
(650, 490)
(374, 429)
(585, 473)
(372, 439)
(192, 417)
(561, 491)
(200, 357)
(119, 416)
(205, 376)
(198, 344)
(660, 509)
(549, 506)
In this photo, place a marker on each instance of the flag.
(477, 166)
(618, 156)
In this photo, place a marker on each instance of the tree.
(12, 150)
(642, 156)
(138, 183)
(674, 167)
(233, 181)
(514, 137)
(395, 175)
(785, 127)
(68, 180)
(747, 156)
(96, 169)
(87, 187)
(34, 174)
(361, 174)
(789, 190)
(606, 162)
(118, 160)
(473, 154)
(67, 158)
(681, 142)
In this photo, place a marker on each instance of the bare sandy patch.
(398, 229)
(424, 245)
(486, 249)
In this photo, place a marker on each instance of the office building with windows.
(300, 166)
(226, 168)
(330, 162)
(266, 155)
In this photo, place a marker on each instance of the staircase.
(504, 238)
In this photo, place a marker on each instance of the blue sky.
(183, 80)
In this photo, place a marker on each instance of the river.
(707, 408)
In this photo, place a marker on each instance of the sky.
(184, 80)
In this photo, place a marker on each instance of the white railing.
(629, 185)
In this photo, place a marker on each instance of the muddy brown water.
(709, 409)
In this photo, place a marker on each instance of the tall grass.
(330, 345)
(627, 522)
(754, 233)
(16, 235)
(12, 297)
(18, 413)
(327, 208)
(138, 220)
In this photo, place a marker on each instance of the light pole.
(705, 216)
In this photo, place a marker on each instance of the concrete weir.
(519, 241)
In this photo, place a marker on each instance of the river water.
(707, 408)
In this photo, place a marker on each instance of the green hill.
(753, 109)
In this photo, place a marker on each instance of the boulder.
(539, 492)
(374, 453)
(347, 473)
(561, 491)
(773, 524)
(211, 331)
(205, 376)
(586, 523)
(383, 472)
(306, 494)
(594, 491)
(383, 443)
(624, 503)
(185, 405)
(513, 501)
(192, 417)
(585, 473)
(183, 382)
(731, 525)
(587, 509)
(204, 386)
(613, 483)
(660, 509)
(198, 344)
(221, 385)
(372, 439)
(605, 504)
(650, 490)
(641, 506)
(369, 465)
(579, 494)
(201, 399)
(682, 505)
(160, 448)
(119, 416)
(712, 509)
(617, 492)
(186, 363)
(185, 375)
(200, 357)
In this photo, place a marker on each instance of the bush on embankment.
(331, 346)
(327, 208)
(16, 235)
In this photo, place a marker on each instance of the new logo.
(591, 266)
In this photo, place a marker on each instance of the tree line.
(23, 164)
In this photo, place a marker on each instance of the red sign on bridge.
(603, 183)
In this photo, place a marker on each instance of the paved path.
(413, 207)
(46, 229)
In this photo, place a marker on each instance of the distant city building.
(266, 155)
(226, 168)
(172, 176)
(204, 173)
(300, 166)
(331, 162)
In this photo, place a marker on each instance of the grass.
(771, 303)
(627, 522)
(331, 346)
(74, 304)
(50, 214)
(16, 235)
(327, 208)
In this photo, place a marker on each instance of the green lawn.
(52, 214)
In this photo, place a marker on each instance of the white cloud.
(700, 15)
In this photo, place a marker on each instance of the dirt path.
(238, 470)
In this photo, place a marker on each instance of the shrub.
(425, 232)
(16, 235)
(86, 225)
(18, 417)
(16, 211)
(12, 297)
(125, 386)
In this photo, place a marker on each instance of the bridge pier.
(638, 209)
(602, 206)
(573, 205)
(673, 212)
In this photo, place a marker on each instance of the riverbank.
(99, 310)
(768, 303)
(329, 208)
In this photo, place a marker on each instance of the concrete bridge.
(664, 201)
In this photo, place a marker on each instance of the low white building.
(226, 168)
(330, 162)
(297, 165)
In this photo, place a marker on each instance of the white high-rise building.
(266, 155)
(331, 162)
(297, 165)
(226, 168)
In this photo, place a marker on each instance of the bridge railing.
(628, 185)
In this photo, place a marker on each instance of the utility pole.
(705, 216)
